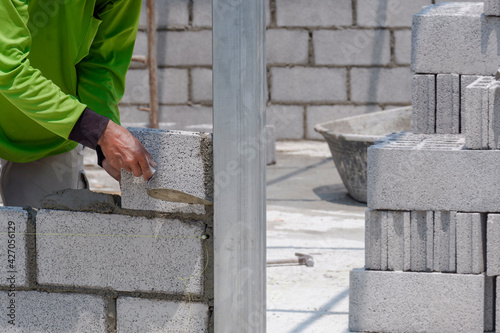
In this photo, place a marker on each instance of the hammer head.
(305, 259)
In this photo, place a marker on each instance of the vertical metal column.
(239, 78)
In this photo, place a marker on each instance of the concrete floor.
(308, 211)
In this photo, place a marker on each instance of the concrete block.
(139, 315)
(379, 85)
(323, 113)
(398, 241)
(455, 38)
(201, 85)
(422, 241)
(494, 116)
(448, 104)
(185, 48)
(43, 312)
(465, 81)
(130, 114)
(202, 12)
(136, 87)
(445, 234)
(492, 7)
(307, 84)
(402, 47)
(388, 13)
(186, 117)
(287, 119)
(140, 48)
(169, 14)
(182, 159)
(13, 224)
(493, 245)
(432, 172)
(415, 302)
(316, 13)
(173, 85)
(287, 46)
(477, 113)
(376, 223)
(489, 303)
(424, 104)
(352, 47)
(471, 243)
(120, 252)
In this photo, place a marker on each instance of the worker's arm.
(24, 86)
(101, 85)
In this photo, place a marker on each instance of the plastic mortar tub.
(348, 139)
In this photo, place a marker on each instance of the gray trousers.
(25, 184)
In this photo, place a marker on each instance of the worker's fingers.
(147, 173)
(112, 171)
(136, 170)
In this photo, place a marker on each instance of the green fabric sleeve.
(24, 86)
(101, 74)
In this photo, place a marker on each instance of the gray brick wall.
(326, 59)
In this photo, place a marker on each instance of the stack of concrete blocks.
(433, 227)
(92, 263)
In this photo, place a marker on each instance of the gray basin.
(348, 139)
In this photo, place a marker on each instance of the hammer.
(301, 259)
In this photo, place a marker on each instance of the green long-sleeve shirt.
(58, 57)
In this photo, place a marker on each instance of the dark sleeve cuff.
(89, 128)
(100, 156)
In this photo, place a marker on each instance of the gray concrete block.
(352, 47)
(489, 303)
(471, 243)
(201, 85)
(445, 226)
(120, 252)
(422, 241)
(424, 104)
(43, 312)
(168, 14)
(287, 46)
(140, 49)
(492, 7)
(477, 113)
(308, 84)
(130, 114)
(465, 81)
(323, 13)
(287, 119)
(494, 116)
(140, 315)
(398, 241)
(493, 245)
(13, 229)
(323, 113)
(415, 302)
(173, 85)
(136, 87)
(448, 104)
(186, 118)
(387, 13)
(202, 12)
(376, 240)
(184, 48)
(81, 200)
(455, 38)
(432, 172)
(181, 166)
(402, 46)
(379, 85)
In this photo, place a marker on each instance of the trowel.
(172, 195)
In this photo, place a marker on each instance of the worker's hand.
(115, 173)
(123, 151)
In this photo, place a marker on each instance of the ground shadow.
(336, 193)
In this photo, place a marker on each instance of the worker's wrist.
(89, 128)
